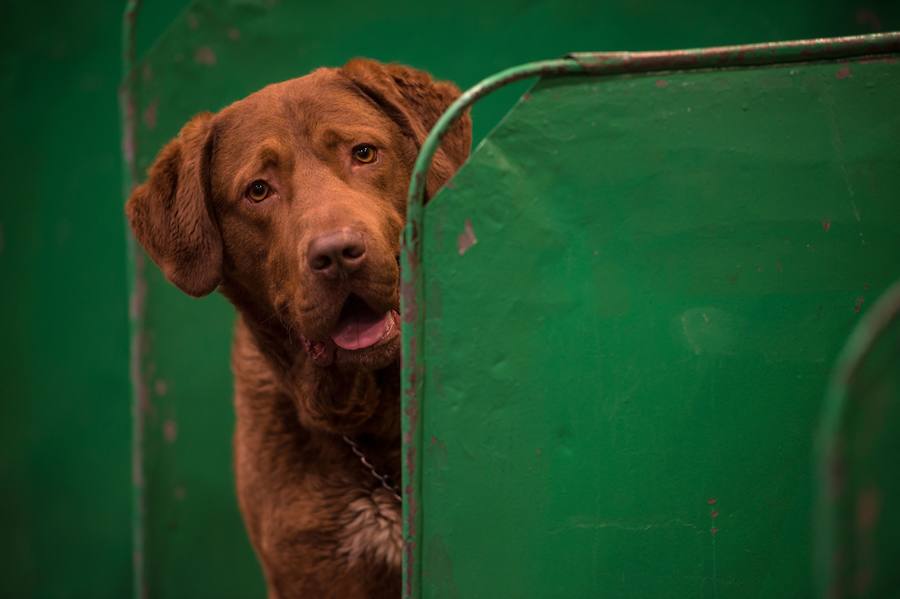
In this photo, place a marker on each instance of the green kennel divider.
(188, 538)
(858, 527)
(621, 314)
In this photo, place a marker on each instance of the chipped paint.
(138, 292)
(204, 55)
(170, 431)
(126, 101)
(466, 239)
(868, 509)
(149, 115)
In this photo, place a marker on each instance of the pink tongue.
(357, 332)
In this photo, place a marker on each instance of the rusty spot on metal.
(711, 501)
(662, 83)
(234, 34)
(192, 21)
(466, 239)
(170, 431)
(205, 55)
(410, 560)
(857, 306)
(868, 509)
(408, 287)
(843, 72)
(408, 290)
(137, 470)
(409, 498)
(127, 101)
(161, 387)
(149, 116)
(826, 224)
(408, 492)
(139, 293)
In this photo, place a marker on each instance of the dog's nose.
(330, 255)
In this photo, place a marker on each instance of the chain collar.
(385, 480)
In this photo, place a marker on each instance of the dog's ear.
(169, 213)
(415, 101)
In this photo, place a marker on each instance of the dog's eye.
(258, 190)
(365, 153)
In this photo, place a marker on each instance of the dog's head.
(292, 201)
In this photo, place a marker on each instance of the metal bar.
(832, 441)
(137, 293)
(411, 300)
(609, 63)
(593, 64)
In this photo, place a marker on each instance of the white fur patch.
(373, 529)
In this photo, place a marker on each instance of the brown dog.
(291, 202)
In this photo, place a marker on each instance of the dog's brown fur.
(320, 523)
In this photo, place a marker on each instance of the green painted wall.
(65, 425)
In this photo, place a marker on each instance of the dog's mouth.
(361, 335)
(359, 326)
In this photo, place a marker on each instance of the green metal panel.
(64, 409)
(632, 295)
(190, 538)
(859, 526)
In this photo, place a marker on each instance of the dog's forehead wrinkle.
(339, 103)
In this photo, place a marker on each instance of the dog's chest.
(372, 530)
